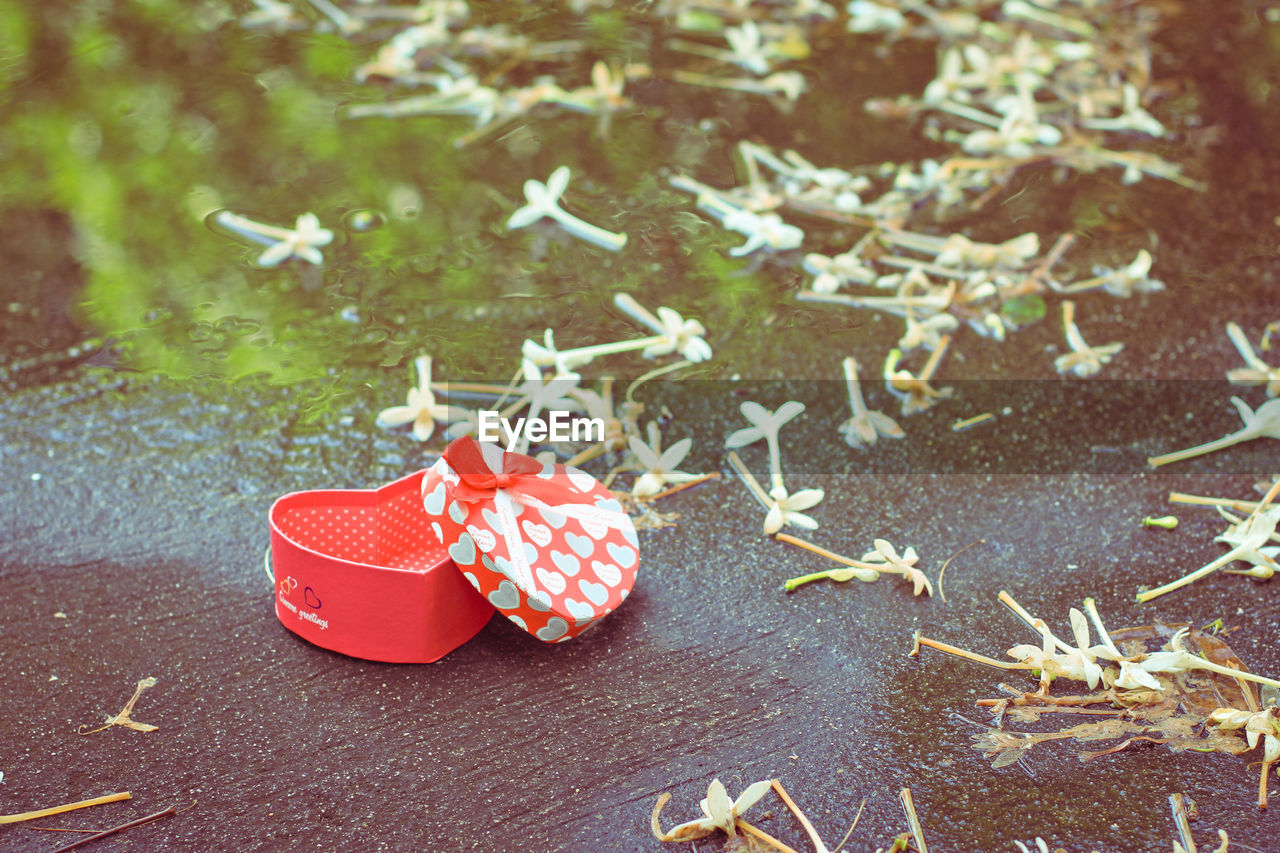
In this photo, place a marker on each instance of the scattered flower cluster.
(1247, 539)
(725, 815)
(1262, 423)
(935, 284)
(883, 560)
(1130, 681)
(783, 507)
(718, 812)
(303, 242)
(475, 71)
(543, 201)
(1102, 664)
(1017, 84)
(548, 380)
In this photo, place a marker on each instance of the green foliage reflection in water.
(138, 120)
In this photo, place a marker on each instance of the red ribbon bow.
(479, 483)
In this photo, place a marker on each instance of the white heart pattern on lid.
(505, 597)
(595, 592)
(484, 539)
(539, 534)
(553, 630)
(566, 563)
(579, 610)
(597, 530)
(562, 525)
(463, 552)
(434, 500)
(552, 582)
(607, 572)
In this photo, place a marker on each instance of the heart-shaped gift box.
(547, 545)
(359, 572)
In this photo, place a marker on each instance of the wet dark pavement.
(138, 514)
(133, 526)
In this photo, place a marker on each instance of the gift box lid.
(359, 572)
(549, 546)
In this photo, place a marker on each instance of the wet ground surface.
(133, 524)
(145, 532)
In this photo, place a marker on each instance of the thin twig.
(1054, 709)
(765, 837)
(917, 831)
(166, 813)
(943, 570)
(1246, 690)
(926, 372)
(852, 826)
(679, 487)
(804, 821)
(962, 653)
(808, 546)
(1178, 803)
(656, 827)
(653, 374)
(1266, 499)
(749, 479)
(1201, 500)
(587, 455)
(69, 807)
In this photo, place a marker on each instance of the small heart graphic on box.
(579, 610)
(623, 556)
(554, 629)
(581, 545)
(607, 572)
(553, 582)
(505, 597)
(463, 552)
(310, 597)
(594, 529)
(457, 512)
(566, 563)
(595, 592)
(483, 538)
(434, 502)
(581, 480)
(609, 504)
(539, 533)
(492, 520)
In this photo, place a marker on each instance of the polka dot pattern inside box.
(390, 534)
(548, 546)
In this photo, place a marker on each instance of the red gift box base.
(359, 572)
